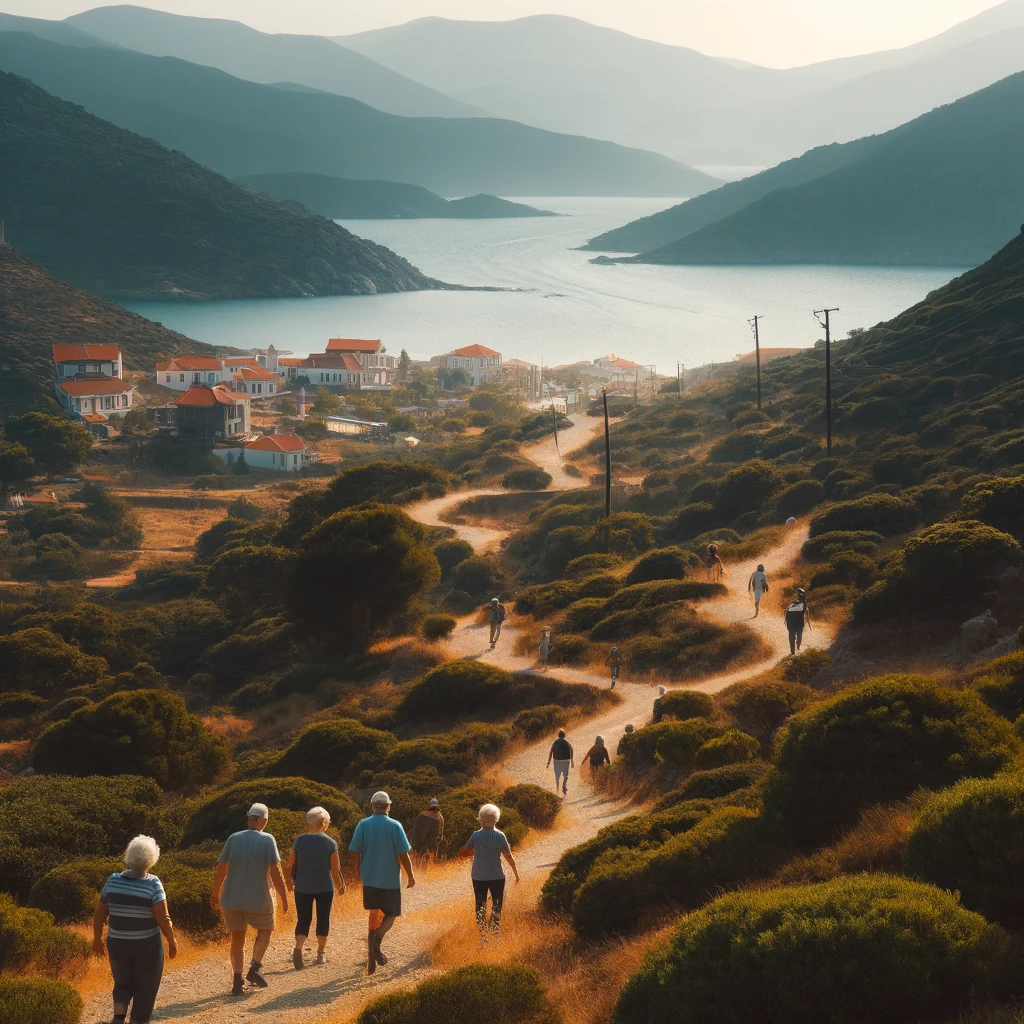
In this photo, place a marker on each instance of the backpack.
(502, 614)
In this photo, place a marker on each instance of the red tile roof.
(190, 363)
(99, 386)
(254, 373)
(78, 353)
(289, 361)
(209, 397)
(278, 443)
(332, 361)
(94, 417)
(475, 350)
(251, 361)
(353, 345)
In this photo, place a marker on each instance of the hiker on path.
(496, 616)
(133, 905)
(658, 710)
(614, 662)
(598, 756)
(379, 847)
(249, 864)
(714, 564)
(561, 753)
(758, 585)
(488, 846)
(796, 619)
(544, 646)
(426, 833)
(314, 872)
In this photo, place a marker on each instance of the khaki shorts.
(239, 920)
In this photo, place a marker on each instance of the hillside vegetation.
(120, 215)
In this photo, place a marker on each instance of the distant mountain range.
(122, 216)
(945, 189)
(346, 199)
(240, 128)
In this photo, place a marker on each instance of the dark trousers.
(497, 890)
(796, 636)
(304, 911)
(137, 966)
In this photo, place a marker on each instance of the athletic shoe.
(238, 986)
(321, 958)
(297, 959)
(255, 976)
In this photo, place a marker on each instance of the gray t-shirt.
(313, 851)
(249, 856)
(487, 845)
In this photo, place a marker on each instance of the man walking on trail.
(248, 865)
(561, 753)
(796, 619)
(426, 833)
(758, 584)
(379, 845)
(496, 616)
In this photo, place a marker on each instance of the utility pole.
(679, 378)
(828, 374)
(607, 474)
(757, 357)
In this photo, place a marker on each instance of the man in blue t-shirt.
(379, 845)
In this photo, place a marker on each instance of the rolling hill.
(121, 216)
(37, 311)
(943, 190)
(240, 128)
(261, 57)
(345, 199)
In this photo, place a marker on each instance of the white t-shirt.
(758, 580)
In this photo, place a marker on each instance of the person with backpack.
(758, 585)
(544, 646)
(496, 616)
(561, 753)
(598, 756)
(614, 662)
(796, 619)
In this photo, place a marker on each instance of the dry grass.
(229, 728)
(752, 545)
(175, 529)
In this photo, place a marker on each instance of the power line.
(828, 373)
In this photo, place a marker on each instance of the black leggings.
(137, 966)
(497, 889)
(304, 911)
(796, 636)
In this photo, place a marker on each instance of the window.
(167, 378)
(181, 378)
(81, 367)
(113, 369)
(211, 377)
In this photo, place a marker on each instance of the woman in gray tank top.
(314, 872)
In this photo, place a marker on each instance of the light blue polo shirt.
(379, 840)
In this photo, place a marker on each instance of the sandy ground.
(198, 990)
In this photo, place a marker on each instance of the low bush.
(40, 661)
(825, 545)
(1000, 684)
(879, 513)
(882, 949)
(528, 478)
(536, 722)
(479, 576)
(679, 743)
(505, 994)
(847, 568)
(583, 615)
(761, 708)
(570, 649)
(30, 939)
(660, 564)
(438, 627)
(999, 503)
(967, 839)
(805, 665)
(458, 753)
(691, 520)
(747, 488)
(69, 891)
(536, 806)
(714, 783)
(450, 553)
(683, 704)
(335, 752)
(39, 1001)
(732, 747)
(798, 499)
(877, 742)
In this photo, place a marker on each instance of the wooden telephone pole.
(607, 474)
(826, 323)
(757, 356)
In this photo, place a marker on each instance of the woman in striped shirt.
(487, 846)
(133, 905)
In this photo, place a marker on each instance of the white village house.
(88, 384)
(481, 363)
(283, 452)
(239, 373)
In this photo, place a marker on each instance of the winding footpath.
(198, 990)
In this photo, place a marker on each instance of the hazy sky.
(777, 33)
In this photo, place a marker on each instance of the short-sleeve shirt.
(487, 845)
(130, 904)
(379, 840)
(758, 580)
(313, 851)
(249, 856)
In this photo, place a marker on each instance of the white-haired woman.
(314, 872)
(133, 906)
(487, 846)
(659, 708)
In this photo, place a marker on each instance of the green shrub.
(999, 503)
(660, 564)
(679, 743)
(798, 499)
(536, 806)
(19, 704)
(335, 752)
(140, 732)
(480, 576)
(732, 747)
(967, 839)
(876, 743)
(456, 753)
(528, 478)
(879, 513)
(586, 564)
(825, 545)
(437, 627)
(29, 938)
(692, 520)
(847, 568)
(461, 807)
(69, 891)
(683, 704)
(882, 949)
(505, 994)
(713, 783)
(38, 660)
(747, 488)
(761, 708)
(536, 722)
(602, 584)
(39, 1001)
(805, 665)
(449, 553)
(1000, 684)
(636, 749)
(583, 615)
(543, 599)
(569, 649)
(220, 815)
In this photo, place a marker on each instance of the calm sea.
(564, 308)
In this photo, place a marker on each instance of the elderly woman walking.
(487, 846)
(314, 872)
(133, 906)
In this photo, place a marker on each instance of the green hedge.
(968, 839)
(499, 994)
(39, 1001)
(858, 950)
(30, 939)
(876, 743)
(335, 752)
